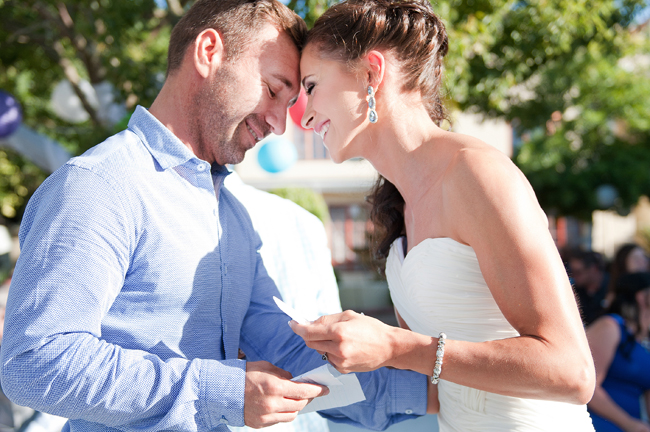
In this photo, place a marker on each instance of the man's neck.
(169, 108)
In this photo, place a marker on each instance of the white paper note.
(294, 314)
(344, 389)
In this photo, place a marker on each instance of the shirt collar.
(164, 146)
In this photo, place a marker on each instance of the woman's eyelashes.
(309, 87)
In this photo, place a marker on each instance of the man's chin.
(232, 159)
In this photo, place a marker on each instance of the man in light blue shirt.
(139, 277)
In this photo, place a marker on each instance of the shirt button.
(201, 167)
(225, 269)
(225, 328)
(223, 420)
(409, 411)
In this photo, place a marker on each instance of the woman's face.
(636, 261)
(336, 103)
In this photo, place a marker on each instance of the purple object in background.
(10, 114)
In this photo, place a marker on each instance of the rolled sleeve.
(222, 393)
(409, 393)
(392, 396)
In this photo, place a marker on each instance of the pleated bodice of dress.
(438, 287)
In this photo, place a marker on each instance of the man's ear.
(209, 52)
(375, 62)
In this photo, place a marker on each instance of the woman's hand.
(353, 342)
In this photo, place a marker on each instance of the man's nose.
(278, 119)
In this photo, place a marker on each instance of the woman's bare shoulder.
(479, 168)
(483, 184)
(475, 157)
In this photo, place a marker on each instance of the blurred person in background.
(619, 345)
(629, 258)
(590, 283)
(296, 256)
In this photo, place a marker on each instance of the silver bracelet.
(437, 368)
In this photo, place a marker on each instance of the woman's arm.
(604, 336)
(491, 206)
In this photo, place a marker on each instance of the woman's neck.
(401, 150)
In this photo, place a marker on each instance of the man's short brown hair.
(238, 21)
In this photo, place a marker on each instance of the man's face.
(247, 98)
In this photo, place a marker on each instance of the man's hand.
(270, 397)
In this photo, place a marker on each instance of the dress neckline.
(401, 250)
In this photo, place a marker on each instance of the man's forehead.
(276, 49)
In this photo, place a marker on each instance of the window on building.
(349, 234)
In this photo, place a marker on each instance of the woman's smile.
(322, 128)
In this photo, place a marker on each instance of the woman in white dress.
(469, 249)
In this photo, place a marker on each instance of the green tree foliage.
(44, 41)
(572, 78)
(310, 10)
(18, 179)
(306, 198)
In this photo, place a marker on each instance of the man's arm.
(77, 244)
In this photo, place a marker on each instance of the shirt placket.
(218, 176)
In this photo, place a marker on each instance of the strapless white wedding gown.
(438, 287)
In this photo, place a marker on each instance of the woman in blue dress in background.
(619, 344)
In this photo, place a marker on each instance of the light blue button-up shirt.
(136, 287)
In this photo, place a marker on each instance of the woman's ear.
(375, 62)
(209, 52)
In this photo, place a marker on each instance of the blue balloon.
(10, 114)
(277, 154)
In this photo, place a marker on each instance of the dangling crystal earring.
(372, 114)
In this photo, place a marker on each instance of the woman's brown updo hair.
(417, 38)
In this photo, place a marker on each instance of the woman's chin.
(337, 157)
(339, 154)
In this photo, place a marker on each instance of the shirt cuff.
(409, 391)
(221, 397)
